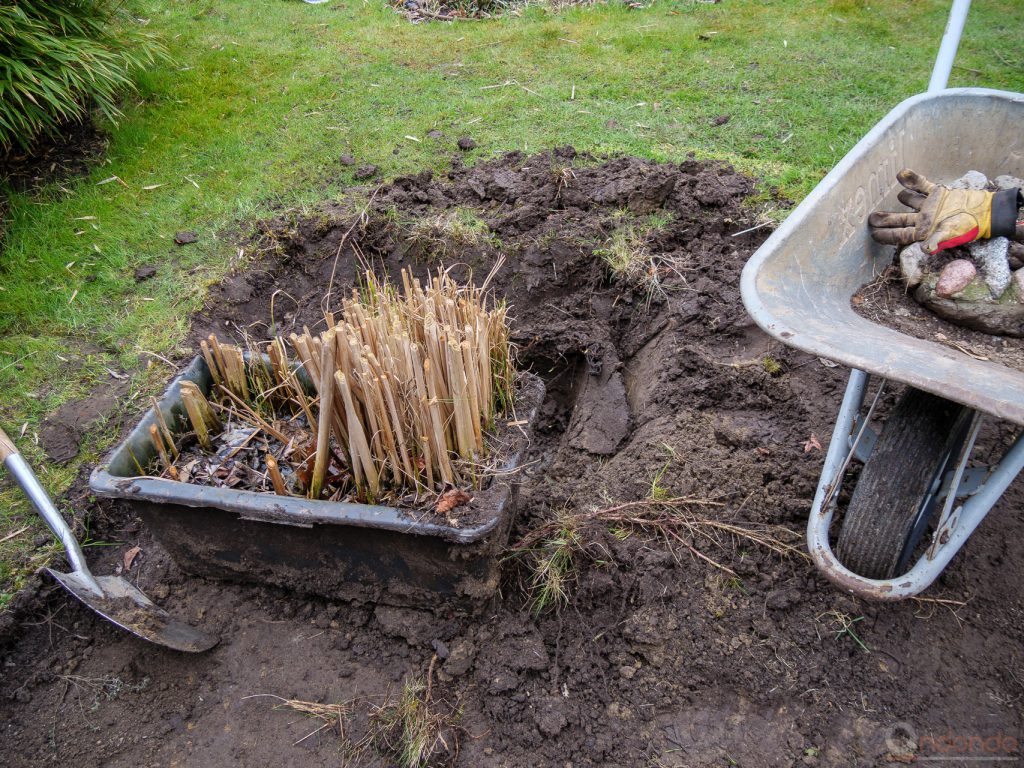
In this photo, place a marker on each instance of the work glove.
(943, 217)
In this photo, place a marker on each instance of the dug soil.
(887, 301)
(675, 647)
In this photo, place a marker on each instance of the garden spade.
(112, 597)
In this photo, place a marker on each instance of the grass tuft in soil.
(415, 730)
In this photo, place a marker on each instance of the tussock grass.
(410, 386)
(413, 729)
(60, 58)
(553, 550)
(553, 564)
(632, 260)
(447, 234)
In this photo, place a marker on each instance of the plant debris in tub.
(399, 403)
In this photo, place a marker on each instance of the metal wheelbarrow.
(798, 287)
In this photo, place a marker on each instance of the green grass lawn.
(263, 97)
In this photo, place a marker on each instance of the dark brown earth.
(64, 154)
(886, 301)
(659, 658)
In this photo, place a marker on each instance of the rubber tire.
(898, 473)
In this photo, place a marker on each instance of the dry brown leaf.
(129, 557)
(449, 500)
(812, 444)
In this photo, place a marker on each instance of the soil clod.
(145, 272)
(364, 172)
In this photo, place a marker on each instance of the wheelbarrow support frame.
(955, 526)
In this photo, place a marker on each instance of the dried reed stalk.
(158, 443)
(200, 414)
(227, 366)
(324, 427)
(276, 478)
(418, 379)
(165, 431)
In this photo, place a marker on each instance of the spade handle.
(26, 478)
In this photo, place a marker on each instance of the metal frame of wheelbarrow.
(798, 285)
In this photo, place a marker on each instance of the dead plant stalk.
(415, 380)
(671, 515)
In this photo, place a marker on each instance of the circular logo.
(901, 740)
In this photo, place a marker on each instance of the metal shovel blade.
(128, 608)
(111, 597)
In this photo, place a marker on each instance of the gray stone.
(1018, 280)
(970, 180)
(1005, 181)
(913, 258)
(991, 257)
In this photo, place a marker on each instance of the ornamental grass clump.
(410, 383)
(59, 58)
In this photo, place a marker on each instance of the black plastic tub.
(357, 552)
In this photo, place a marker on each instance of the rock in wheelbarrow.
(972, 304)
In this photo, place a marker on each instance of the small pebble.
(1015, 255)
(955, 276)
(440, 649)
(1018, 281)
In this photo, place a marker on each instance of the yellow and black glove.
(944, 217)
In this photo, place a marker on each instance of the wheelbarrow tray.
(799, 283)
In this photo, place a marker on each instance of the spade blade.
(126, 606)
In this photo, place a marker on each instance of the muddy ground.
(659, 657)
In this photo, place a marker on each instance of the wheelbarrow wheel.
(889, 509)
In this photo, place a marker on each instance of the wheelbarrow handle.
(26, 478)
